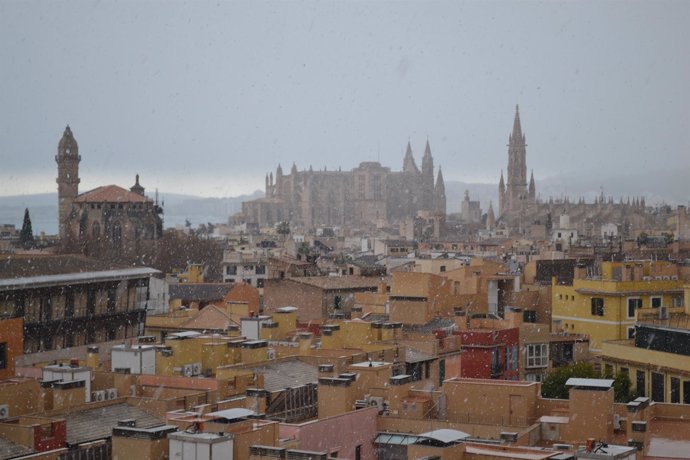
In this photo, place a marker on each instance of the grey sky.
(206, 97)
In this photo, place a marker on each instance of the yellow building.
(662, 376)
(606, 304)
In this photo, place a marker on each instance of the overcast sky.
(207, 97)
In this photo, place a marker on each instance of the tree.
(554, 384)
(622, 387)
(26, 235)
(283, 228)
(174, 251)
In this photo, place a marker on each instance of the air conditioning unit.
(111, 393)
(659, 278)
(563, 446)
(646, 278)
(663, 312)
(4, 411)
(187, 370)
(271, 353)
(98, 396)
(376, 401)
(640, 427)
(509, 436)
(674, 277)
(196, 369)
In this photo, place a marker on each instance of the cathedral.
(367, 195)
(521, 211)
(106, 221)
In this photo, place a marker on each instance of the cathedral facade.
(367, 195)
(520, 209)
(106, 221)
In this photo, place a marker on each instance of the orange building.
(11, 345)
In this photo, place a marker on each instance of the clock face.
(67, 150)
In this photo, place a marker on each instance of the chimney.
(92, 357)
(305, 340)
(513, 316)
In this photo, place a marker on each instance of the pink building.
(349, 435)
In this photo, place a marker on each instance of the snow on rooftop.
(445, 435)
(589, 383)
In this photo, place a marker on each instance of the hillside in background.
(177, 208)
(670, 187)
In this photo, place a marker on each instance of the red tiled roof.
(210, 317)
(110, 194)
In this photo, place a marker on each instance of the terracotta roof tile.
(110, 194)
(339, 282)
(210, 318)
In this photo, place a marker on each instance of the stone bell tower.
(67, 159)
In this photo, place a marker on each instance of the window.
(686, 391)
(3, 355)
(625, 371)
(19, 307)
(90, 301)
(231, 270)
(633, 304)
(117, 235)
(658, 393)
(655, 302)
(631, 332)
(495, 363)
(112, 296)
(537, 355)
(337, 301)
(260, 269)
(608, 370)
(259, 282)
(640, 383)
(535, 377)
(46, 308)
(597, 306)
(69, 304)
(675, 390)
(443, 268)
(678, 301)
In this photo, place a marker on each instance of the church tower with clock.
(67, 159)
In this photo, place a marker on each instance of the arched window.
(83, 225)
(117, 234)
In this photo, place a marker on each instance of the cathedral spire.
(427, 151)
(532, 188)
(501, 183)
(409, 164)
(517, 128)
(440, 193)
(428, 161)
(440, 184)
(490, 217)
